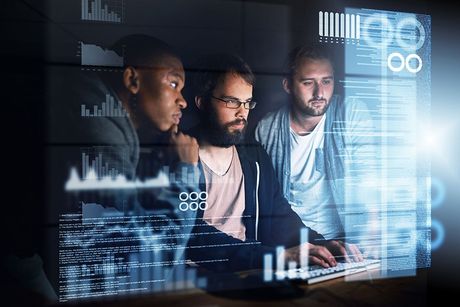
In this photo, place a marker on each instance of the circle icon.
(438, 198)
(437, 242)
(203, 195)
(371, 25)
(419, 60)
(183, 196)
(203, 205)
(193, 195)
(402, 33)
(193, 206)
(183, 206)
(390, 62)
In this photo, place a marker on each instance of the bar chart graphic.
(103, 10)
(109, 108)
(96, 168)
(93, 55)
(280, 262)
(339, 26)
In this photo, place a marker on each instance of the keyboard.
(316, 273)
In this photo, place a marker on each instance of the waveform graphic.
(120, 182)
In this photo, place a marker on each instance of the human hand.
(317, 254)
(347, 251)
(185, 146)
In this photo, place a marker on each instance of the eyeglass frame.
(244, 103)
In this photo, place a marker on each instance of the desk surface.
(402, 291)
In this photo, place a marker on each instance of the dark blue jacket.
(268, 218)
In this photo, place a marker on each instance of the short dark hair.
(213, 68)
(139, 50)
(313, 51)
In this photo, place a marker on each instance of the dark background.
(38, 34)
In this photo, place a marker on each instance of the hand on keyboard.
(325, 256)
(346, 251)
(318, 255)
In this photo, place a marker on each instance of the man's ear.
(131, 80)
(198, 102)
(286, 85)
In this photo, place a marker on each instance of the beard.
(308, 110)
(219, 134)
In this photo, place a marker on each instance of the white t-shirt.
(310, 194)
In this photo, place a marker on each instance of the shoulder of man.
(272, 117)
(347, 108)
(270, 123)
(253, 150)
(87, 89)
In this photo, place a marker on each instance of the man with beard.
(245, 216)
(310, 139)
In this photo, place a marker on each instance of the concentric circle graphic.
(401, 29)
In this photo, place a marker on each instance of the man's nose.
(318, 90)
(181, 101)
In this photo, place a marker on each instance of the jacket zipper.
(257, 198)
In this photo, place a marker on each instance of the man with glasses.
(246, 216)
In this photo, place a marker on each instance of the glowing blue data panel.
(391, 44)
(389, 72)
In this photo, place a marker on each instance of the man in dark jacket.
(245, 216)
(130, 165)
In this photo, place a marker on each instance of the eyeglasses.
(232, 103)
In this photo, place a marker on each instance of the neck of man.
(218, 159)
(303, 124)
(125, 98)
